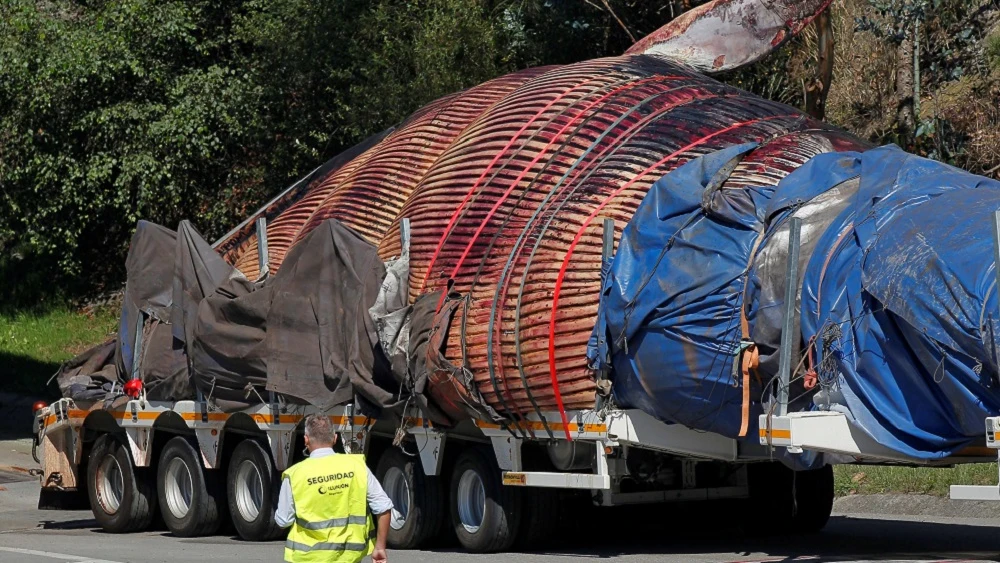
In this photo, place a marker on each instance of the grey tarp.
(198, 272)
(392, 313)
(148, 295)
(149, 285)
(416, 375)
(149, 290)
(228, 357)
(90, 375)
(304, 333)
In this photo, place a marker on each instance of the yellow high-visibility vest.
(332, 522)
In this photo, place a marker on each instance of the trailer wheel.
(484, 513)
(121, 495)
(416, 498)
(542, 515)
(814, 499)
(253, 492)
(794, 501)
(191, 497)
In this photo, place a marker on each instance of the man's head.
(319, 432)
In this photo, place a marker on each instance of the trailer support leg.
(208, 443)
(281, 442)
(508, 452)
(791, 292)
(430, 446)
(140, 441)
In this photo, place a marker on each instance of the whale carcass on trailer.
(502, 306)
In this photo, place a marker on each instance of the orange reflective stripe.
(776, 433)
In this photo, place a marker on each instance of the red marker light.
(39, 405)
(133, 388)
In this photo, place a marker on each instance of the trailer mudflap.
(53, 498)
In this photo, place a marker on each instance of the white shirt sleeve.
(284, 514)
(378, 501)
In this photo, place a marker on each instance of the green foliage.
(119, 110)
(954, 117)
(770, 77)
(992, 50)
(894, 19)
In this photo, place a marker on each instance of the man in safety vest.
(328, 500)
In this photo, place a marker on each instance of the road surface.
(32, 536)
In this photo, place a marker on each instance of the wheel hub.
(471, 501)
(398, 491)
(110, 484)
(178, 487)
(249, 491)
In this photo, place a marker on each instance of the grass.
(867, 480)
(34, 344)
(992, 49)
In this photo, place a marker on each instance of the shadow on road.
(703, 532)
(82, 524)
(23, 380)
(844, 539)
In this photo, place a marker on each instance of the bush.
(119, 110)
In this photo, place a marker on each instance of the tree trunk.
(817, 92)
(905, 120)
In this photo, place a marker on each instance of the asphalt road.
(32, 536)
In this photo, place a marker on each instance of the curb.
(915, 505)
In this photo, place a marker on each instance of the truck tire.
(252, 490)
(418, 502)
(540, 521)
(793, 501)
(191, 498)
(814, 499)
(122, 496)
(484, 513)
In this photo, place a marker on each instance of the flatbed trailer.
(197, 466)
(128, 461)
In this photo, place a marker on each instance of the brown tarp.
(304, 333)
(149, 295)
(443, 391)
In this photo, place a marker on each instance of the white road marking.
(51, 555)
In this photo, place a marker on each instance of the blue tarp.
(902, 300)
(671, 298)
(898, 292)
